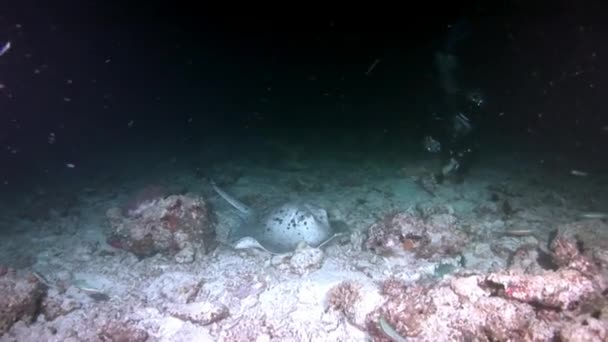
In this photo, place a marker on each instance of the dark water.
(97, 90)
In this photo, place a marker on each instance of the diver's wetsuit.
(462, 143)
(455, 125)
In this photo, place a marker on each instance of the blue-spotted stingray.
(280, 229)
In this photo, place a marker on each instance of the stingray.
(280, 229)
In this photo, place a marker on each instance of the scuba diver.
(454, 126)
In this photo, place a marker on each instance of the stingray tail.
(233, 201)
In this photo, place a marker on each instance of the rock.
(586, 329)
(19, 298)
(202, 313)
(403, 233)
(166, 225)
(173, 287)
(55, 305)
(186, 255)
(305, 259)
(564, 289)
(503, 306)
(115, 331)
(566, 253)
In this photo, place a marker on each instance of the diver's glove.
(431, 145)
(450, 167)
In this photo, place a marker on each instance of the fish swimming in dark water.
(4, 49)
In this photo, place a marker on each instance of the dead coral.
(586, 329)
(567, 252)
(393, 287)
(55, 304)
(400, 233)
(530, 259)
(115, 331)
(568, 303)
(590, 237)
(306, 259)
(502, 320)
(577, 282)
(455, 311)
(20, 296)
(343, 297)
(203, 313)
(168, 225)
(406, 313)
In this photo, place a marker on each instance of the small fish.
(517, 232)
(390, 332)
(579, 173)
(372, 67)
(42, 279)
(597, 215)
(98, 296)
(93, 292)
(5, 48)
